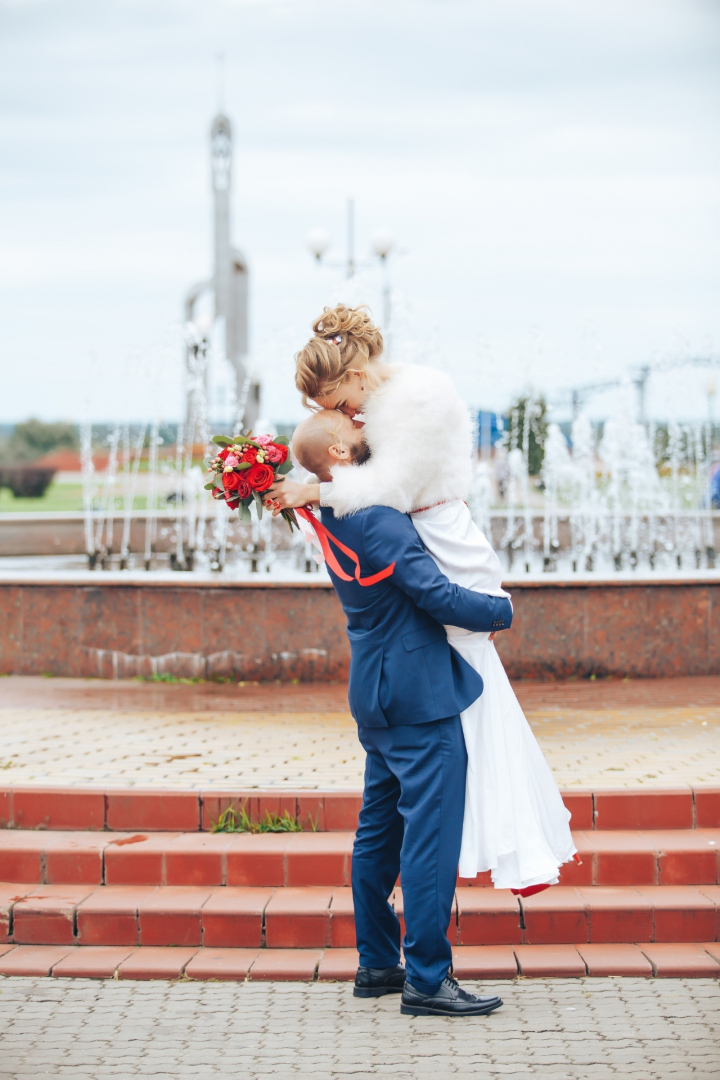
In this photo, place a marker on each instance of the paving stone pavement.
(651, 733)
(562, 1029)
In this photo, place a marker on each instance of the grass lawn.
(57, 497)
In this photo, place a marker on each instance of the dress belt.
(431, 507)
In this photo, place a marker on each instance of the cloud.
(550, 168)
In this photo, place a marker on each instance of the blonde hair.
(324, 362)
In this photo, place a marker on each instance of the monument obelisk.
(229, 283)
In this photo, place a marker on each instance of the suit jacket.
(402, 668)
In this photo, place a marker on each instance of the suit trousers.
(410, 823)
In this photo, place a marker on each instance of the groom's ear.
(339, 453)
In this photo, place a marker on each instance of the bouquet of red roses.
(245, 467)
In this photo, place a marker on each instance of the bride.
(419, 435)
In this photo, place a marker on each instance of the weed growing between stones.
(238, 821)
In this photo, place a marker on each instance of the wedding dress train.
(515, 823)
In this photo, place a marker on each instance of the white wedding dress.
(515, 823)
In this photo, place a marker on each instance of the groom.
(407, 688)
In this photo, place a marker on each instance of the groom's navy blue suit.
(407, 687)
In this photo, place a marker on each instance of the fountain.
(628, 498)
(607, 505)
(610, 555)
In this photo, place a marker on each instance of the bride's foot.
(450, 1000)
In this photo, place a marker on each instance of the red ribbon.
(326, 538)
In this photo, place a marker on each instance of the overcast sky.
(549, 168)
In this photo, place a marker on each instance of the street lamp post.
(711, 391)
(383, 244)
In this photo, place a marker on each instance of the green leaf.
(222, 440)
(218, 481)
(282, 440)
(244, 511)
(243, 465)
(209, 487)
(258, 504)
(286, 467)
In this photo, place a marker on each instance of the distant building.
(229, 282)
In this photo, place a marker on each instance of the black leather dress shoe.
(376, 982)
(450, 1000)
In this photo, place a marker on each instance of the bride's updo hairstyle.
(345, 341)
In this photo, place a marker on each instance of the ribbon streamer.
(326, 538)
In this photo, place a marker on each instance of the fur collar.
(420, 434)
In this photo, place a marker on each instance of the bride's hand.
(286, 494)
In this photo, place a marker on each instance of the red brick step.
(202, 859)
(319, 916)
(608, 858)
(173, 810)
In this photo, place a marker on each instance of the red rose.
(239, 490)
(260, 477)
(277, 453)
(231, 481)
(249, 454)
(224, 453)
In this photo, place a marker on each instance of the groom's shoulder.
(370, 515)
(372, 522)
(387, 514)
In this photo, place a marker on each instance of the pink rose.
(262, 440)
(232, 459)
(277, 452)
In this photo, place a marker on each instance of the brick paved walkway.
(654, 733)
(560, 1029)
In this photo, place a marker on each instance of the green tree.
(33, 438)
(532, 410)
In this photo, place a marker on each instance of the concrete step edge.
(671, 959)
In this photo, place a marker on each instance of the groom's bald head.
(328, 438)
